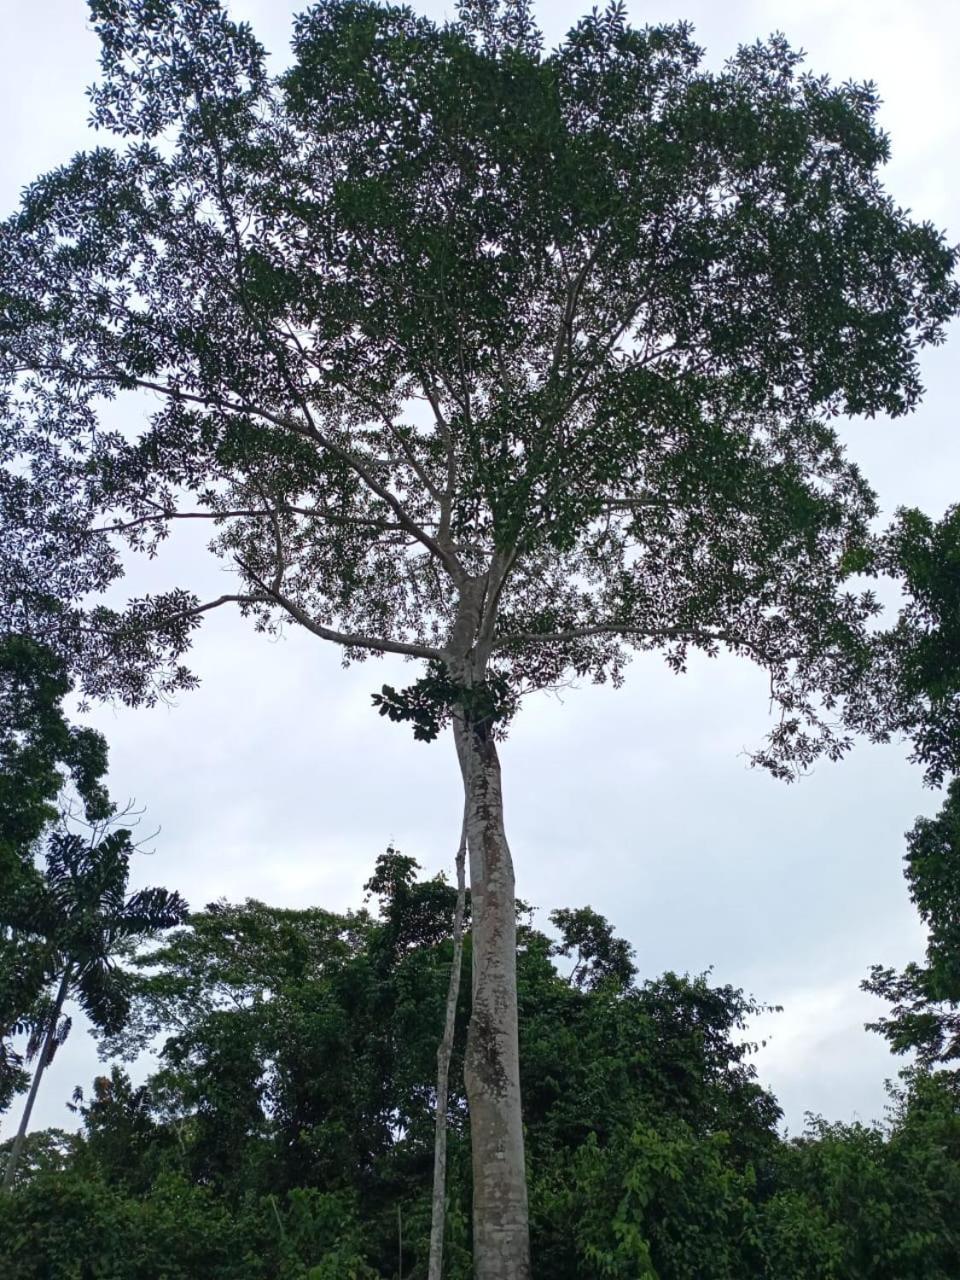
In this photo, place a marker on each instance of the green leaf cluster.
(487, 705)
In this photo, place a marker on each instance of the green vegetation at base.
(287, 1131)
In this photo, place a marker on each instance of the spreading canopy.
(434, 313)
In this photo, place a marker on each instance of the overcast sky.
(277, 780)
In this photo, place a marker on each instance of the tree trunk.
(444, 1053)
(501, 1246)
(42, 1061)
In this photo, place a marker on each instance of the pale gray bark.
(45, 1054)
(444, 1053)
(501, 1238)
(492, 1069)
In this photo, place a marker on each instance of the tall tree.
(503, 361)
(84, 919)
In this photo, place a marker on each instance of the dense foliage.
(287, 1129)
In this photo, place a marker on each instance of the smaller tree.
(911, 687)
(600, 956)
(40, 749)
(84, 920)
(925, 1016)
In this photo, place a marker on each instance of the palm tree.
(80, 915)
(42, 755)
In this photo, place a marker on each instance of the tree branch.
(446, 434)
(411, 458)
(205, 608)
(564, 340)
(500, 567)
(310, 431)
(349, 641)
(381, 526)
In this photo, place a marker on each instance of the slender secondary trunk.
(501, 1246)
(444, 1053)
(45, 1053)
